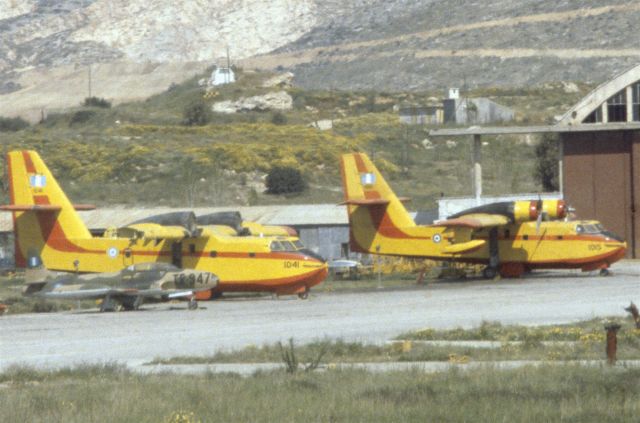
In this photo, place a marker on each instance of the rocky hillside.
(396, 45)
(418, 44)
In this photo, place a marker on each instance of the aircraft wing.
(475, 221)
(86, 294)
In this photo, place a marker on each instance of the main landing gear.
(491, 271)
(193, 303)
(605, 272)
(304, 294)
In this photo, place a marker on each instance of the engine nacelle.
(527, 211)
(554, 209)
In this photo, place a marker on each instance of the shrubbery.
(279, 118)
(97, 102)
(81, 116)
(12, 124)
(196, 114)
(546, 170)
(285, 180)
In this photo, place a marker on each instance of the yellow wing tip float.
(509, 237)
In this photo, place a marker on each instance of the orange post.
(612, 342)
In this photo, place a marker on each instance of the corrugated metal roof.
(294, 215)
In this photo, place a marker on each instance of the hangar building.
(599, 155)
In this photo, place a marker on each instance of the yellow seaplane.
(251, 257)
(510, 238)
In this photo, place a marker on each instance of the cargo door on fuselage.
(127, 257)
(176, 254)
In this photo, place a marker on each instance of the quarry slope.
(46, 46)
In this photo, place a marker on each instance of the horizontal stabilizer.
(365, 202)
(372, 202)
(30, 207)
(43, 207)
(464, 247)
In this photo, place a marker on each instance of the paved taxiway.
(164, 330)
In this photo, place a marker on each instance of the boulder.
(278, 100)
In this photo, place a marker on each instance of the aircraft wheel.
(193, 304)
(489, 272)
(107, 305)
(303, 295)
(605, 272)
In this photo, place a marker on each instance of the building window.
(617, 107)
(594, 117)
(635, 90)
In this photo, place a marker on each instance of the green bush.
(546, 170)
(12, 124)
(81, 116)
(285, 180)
(97, 102)
(196, 114)
(279, 118)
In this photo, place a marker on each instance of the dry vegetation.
(549, 391)
(529, 394)
(139, 153)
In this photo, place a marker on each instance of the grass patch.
(543, 394)
(494, 331)
(580, 341)
(11, 287)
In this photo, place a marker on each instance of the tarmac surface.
(167, 330)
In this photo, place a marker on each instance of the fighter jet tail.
(44, 218)
(374, 209)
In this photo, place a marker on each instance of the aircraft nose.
(312, 254)
(615, 237)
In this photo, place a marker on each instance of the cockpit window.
(298, 244)
(288, 246)
(276, 246)
(589, 229)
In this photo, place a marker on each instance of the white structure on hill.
(221, 76)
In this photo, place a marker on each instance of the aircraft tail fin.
(43, 215)
(374, 209)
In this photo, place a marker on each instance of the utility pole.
(89, 71)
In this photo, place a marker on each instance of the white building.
(221, 76)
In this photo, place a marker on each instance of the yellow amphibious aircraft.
(49, 231)
(510, 238)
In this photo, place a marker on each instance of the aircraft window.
(276, 246)
(592, 229)
(213, 254)
(588, 229)
(525, 237)
(298, 244)
(288, 246)
(252, 254)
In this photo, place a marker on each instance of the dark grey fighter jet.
(126, 289)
